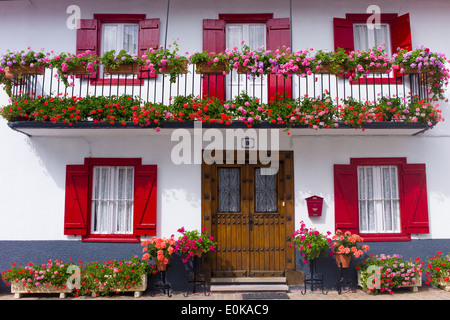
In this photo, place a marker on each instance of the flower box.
(413, 287)
(19, 289)
(378, 70)
(182, 69)
(326, 69)
(26, 69)
(137, 289)
(126, 68)
(205, 68)
(445, 285)
(80, 70)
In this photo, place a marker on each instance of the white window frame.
(371, 37)
(119, 39)
(378, 201)
(112, 225)
(236, 83)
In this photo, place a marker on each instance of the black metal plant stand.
(162, 284)
(315, 279)
(195, 281)
(344, 280)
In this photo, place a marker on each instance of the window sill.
(372, 237)
(128, 238)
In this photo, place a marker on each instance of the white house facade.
(93, 190)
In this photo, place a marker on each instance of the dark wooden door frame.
(286, 157)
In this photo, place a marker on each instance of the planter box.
(169, 68)
(18, 289)
(26, 69)
(205, 68)
(137, 289)
(413, 287)
(445, 285)
(80, 70)
(326, 69)
(126, 68)
(378, 70)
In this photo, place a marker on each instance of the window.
(378, 200)
(351, 33)
(254, 36)
(277, 34)
(132, 32)
(366, 38)
(110, 200)
(119, 36)
(383, 199)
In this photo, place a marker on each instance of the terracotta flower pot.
(198, 253)
(161, 266)
(343, 260)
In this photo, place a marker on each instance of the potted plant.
(333, 62)
(438, 271)
(50, 277)
(375, 60)
(255, 62)
(121, 63)
(384, 273)
(25, 62)
(160, 249)
(431, 67)
(311, 242)
(68, 64)
(166, 61)
(210, 62)
(194, 243)
(347, 245)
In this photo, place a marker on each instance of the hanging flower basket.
(205, 68)
(125, 68)
(26, 69)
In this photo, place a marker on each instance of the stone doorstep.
(249, 284)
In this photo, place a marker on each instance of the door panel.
(248, 220)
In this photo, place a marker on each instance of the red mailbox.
(315, 204)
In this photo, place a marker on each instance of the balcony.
(318, 103)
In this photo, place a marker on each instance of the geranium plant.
(212, 59)
(54, 274)
(384, 273)
(67, 63)
(348, 244)
(39, 59)
(438, 269)
(113, 276)
(160, 249)
(336, 62)
(432, 66)
(311, 242)
(192, 242)
(166, 60)
(374, 58)
(112, 60)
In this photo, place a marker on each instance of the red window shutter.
(148, 38)
(343, 34)
(346, 198)
(145, 198)
(279, 36)
(415, 203)
(214, 41)
(76, 204)
(87, 39)
(401, 35)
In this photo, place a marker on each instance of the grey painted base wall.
(39, 252)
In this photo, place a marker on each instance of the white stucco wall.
(32, 170)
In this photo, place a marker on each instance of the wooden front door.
(251, 216)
